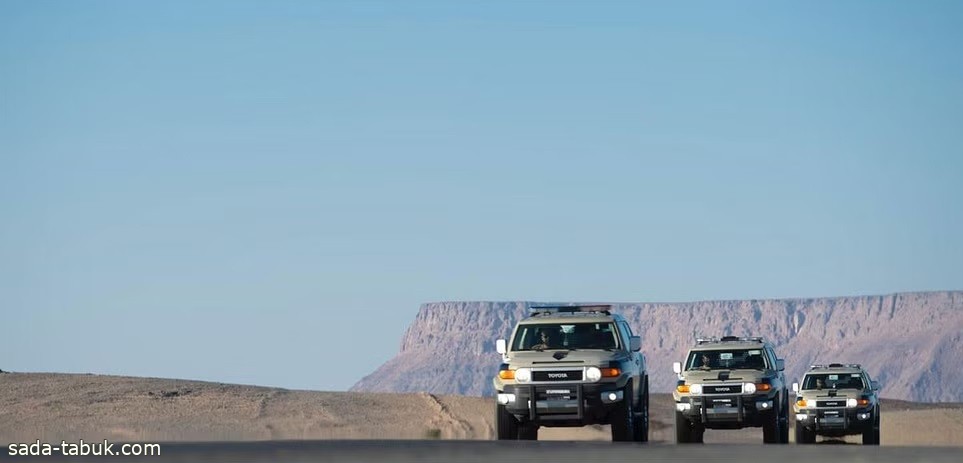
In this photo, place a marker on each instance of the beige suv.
(731, 383)
(569, 366)
(836, 400)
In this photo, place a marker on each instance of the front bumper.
(562, 404)
(728, 411)
(836, 421)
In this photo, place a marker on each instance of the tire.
(506, 426)
(871, 435)
(804, 436)
(642, 423)
(622, 418)
(698, 434)
(683, 430)
(784, 421)
(527, 431)
(770, 428)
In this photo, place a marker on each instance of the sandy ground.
(54, 407)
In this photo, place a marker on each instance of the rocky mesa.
(911, 342)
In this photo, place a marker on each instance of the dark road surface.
(500, 452)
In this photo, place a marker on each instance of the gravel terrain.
(54, 407)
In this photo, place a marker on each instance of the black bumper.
(835, 422)
(563, 404)
(730, 411)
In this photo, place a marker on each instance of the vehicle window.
(772, 356)
(728, 359)
(584, 335)
(626, 335)
(833, 381)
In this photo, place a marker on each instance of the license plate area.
(832, 419)
(560, 394)
(721, 406)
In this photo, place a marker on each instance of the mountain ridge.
(910, 341)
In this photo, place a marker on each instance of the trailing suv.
(836, 400)
(568, 366)
(731, 383)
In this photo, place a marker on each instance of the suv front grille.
(557, 375)
(722, 389)
(831, 403)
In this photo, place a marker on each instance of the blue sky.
(244, 191)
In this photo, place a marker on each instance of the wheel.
(804, 436)
(506, 426)
(770, 428)
(698, 434)
(642, 423)
(527, 431)
(871, 435)
(623, 419)
(784, 422)
(683, 430)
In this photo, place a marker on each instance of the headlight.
(523, 375)
(851, 403)
(593, 374)
(695, 389)
(749, 388)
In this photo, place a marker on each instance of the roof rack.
(836, 365)
(605, 309)
(706, 340)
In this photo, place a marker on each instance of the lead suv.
(568, 366)
(836, 400)
(731, 383)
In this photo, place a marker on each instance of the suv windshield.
(750, 359)
(833, 381)
(565, 336)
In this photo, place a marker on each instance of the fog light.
(610, 397)
(506, 399)
(764, 405)
(683, 407)
(863, 416)
(801, 416)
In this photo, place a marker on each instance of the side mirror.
(635, 343)
(875, 385)
(780, 364)
(677, 368)
(795, 387)
(501, 347)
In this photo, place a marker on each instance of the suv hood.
(823, 394)
(574, 358)
(710, 376)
